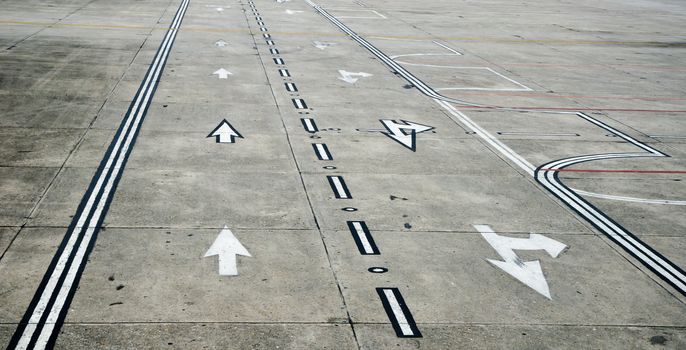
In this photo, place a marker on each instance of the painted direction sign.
(352, 78)
(404, 132)
(226, 246)
(527, 272)
(220, 43)
(225, 133)
(222, 73)
(290, 12)
(322, 45)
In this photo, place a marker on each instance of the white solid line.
(398, 312)
(629, 199)
(359, 231)
(339, 187)
(448, 48)
(308, 123)
(322, 152)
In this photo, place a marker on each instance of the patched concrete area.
(254, 174)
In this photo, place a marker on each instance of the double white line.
(45, 315)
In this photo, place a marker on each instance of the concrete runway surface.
(342, 174)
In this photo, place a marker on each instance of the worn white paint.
(226, 246)
(527, 272)
(352, 77)
(220, 43)
(322, 45)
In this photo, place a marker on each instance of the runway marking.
(290, 87)
(378, 15)
(679, 137)
(284, 73)
(528, 272)
(220, 43)
(279, 61)
(270, 42)
(660, 265)
(340, 189)
(322, 151)
(299, 103)
(309, 125)
(267, 36)
(45, 315)
(363, 238)
(263, 29)
(322, 45)
(274, 51)
(398, 313)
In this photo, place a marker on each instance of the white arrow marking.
(282, 1)
(349, 77)
(322, 45)
(527, 272)
(396, 131)
(291, 12)
(227, 246)
(225, 133)
(220, 9)
(222, 73)
(220, 43)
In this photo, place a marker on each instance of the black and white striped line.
(363, 238)
(322, 151)
(309, 125)
(340, 189)
(398, 313)
(290, 87)
(299, 103)
(46, 313)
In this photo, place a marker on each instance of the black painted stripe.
(299, 103)
(274, 51)
(291, 87)
(79, 239)
(363, 238)
(309, 125)
(279, 61)
(398, 308)
(322, 151)
(340, 189)
(284, 73)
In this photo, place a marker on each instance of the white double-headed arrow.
(226, 246)
(225, 133)
(222, 73)
(352, 78)
(405, 132)
(527, 272)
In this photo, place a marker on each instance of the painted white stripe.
(629, 199)
(266, 36)
(274, 51)
(299, 103)
(291, 87)
(284, 73)
(398, 312)
(270, 43)
(309, 125)
(340, 191)
(263, 29)
(359, 231)
(323, 154)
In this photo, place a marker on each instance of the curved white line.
(629, 199)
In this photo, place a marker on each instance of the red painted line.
(619, 171)
(578, 109)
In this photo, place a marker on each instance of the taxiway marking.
(363, 238)
(225, 133)
(222, 73)
(527, 272)
(340, 189)
(322, 151)
(309, 125)
(45, 315)
(299, 103)
(226, 246)
(398, 313)
(398, 132)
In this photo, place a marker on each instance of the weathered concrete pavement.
(362, 233)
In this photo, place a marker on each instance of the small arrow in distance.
(322, 45)
(527, 272)
(220, 43)
(350, 77)
(405, 132)
(226, 246)
(291, 12)
(222, 73)
(220, 9)
(225, 133)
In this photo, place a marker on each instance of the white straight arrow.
(226, 246)
(220, 43)
(291, 12)
(225, 133)
(222, 73)
(527, 272)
